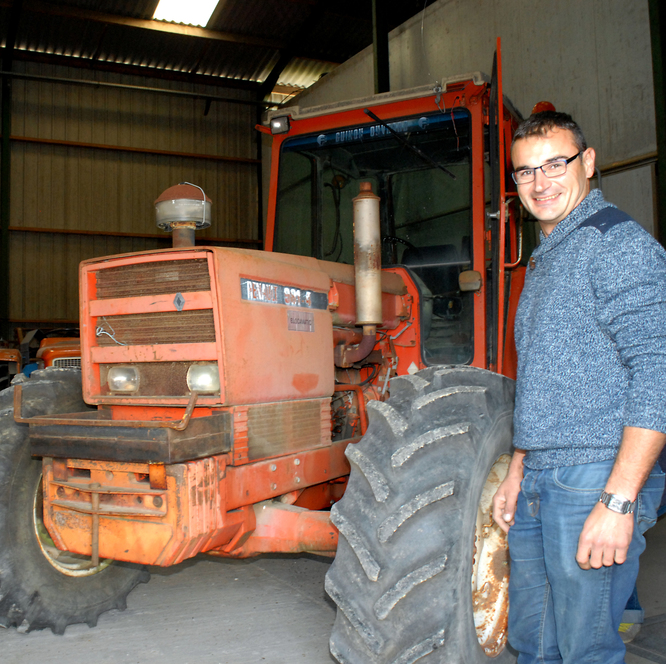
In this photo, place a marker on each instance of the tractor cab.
(429, 158)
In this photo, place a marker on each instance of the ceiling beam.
(288, 53)
(208, 98)
(132, 70)
(380, 47)
(67, 11)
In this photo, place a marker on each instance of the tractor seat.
(438, 266)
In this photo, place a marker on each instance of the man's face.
(551, 199)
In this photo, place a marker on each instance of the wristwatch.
(617, 503)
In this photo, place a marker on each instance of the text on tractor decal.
(261, 291)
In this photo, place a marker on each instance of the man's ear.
(589, 159)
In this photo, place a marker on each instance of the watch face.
(616, 504)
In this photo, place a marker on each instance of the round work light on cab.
(542, 106)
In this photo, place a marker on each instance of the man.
(590, 415)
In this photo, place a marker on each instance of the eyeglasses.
(553, 169)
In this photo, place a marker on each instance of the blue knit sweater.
(591, 338)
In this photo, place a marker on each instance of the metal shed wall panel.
(133, 119)
(44, 272)
(88, 189)
(95, 190)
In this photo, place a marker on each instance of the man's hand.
(504, 502)
(606, 535)
(605, 538)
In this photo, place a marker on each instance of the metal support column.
(5, 183)
(5, 168)
(260, 183)
(380, 46)
(657, 31)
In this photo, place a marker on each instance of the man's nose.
(541, 182)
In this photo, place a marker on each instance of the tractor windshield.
(425, 212)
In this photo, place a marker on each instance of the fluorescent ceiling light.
(191, 12)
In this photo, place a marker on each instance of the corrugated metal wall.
(91, 191)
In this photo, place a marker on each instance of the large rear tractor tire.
(421, 572)
(40, 586)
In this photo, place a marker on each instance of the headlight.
(203, 378)
(123, 379)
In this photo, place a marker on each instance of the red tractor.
(59, 351)
(227, 392)
(56, 349)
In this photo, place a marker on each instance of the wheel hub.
(490, 573)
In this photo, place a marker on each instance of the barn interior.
(104, 106)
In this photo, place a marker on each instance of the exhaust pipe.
(367, 258)
(368, 276)
(182, 234)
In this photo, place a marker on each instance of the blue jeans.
(558, 612)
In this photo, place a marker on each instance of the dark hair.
(539, 124)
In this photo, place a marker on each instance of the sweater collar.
(590, 205)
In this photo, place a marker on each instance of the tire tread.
(401, 578)
(33, 595)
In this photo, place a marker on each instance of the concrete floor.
(650, 644)
(271, 609)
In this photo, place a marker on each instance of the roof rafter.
(67, 11)
(288, 53)
(131, 70)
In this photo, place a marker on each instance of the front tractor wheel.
(421, 573)
(41, 586)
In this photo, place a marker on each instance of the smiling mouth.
(543, 199)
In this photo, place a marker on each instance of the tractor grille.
(65, 362)
(188, 330)
(153, 279)
(158, 278)
(283, 428)
(171, 327)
